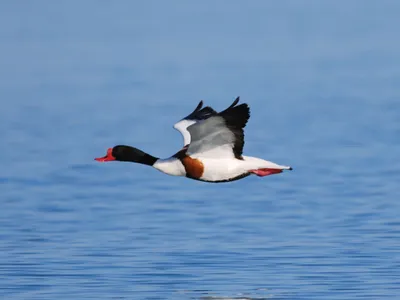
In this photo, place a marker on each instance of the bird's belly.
(216, 170)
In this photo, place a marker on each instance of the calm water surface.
(322, 80)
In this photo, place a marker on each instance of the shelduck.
(212, 152)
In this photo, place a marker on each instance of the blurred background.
(322, 81)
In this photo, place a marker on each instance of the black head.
(128, 153)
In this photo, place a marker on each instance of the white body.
(226, 168)
(217, 169)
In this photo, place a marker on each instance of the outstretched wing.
(220, 135)
(197, 115)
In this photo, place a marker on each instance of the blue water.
(322, 79)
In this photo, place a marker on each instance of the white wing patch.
(182, 126)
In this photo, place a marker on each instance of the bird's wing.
(199, 114)
(220, 135)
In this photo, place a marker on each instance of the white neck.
(170, 166)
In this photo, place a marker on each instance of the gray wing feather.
(210, 134)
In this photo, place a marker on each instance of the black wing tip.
(200, 112)
(236, 101)
(205, 113)
(242, 110)
(198, 107)
(234, 105)
(236, 118)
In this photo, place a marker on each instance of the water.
(322, 80)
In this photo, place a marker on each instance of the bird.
(212, 148)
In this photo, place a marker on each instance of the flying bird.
(212, 152)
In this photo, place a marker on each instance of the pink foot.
(265, 172)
